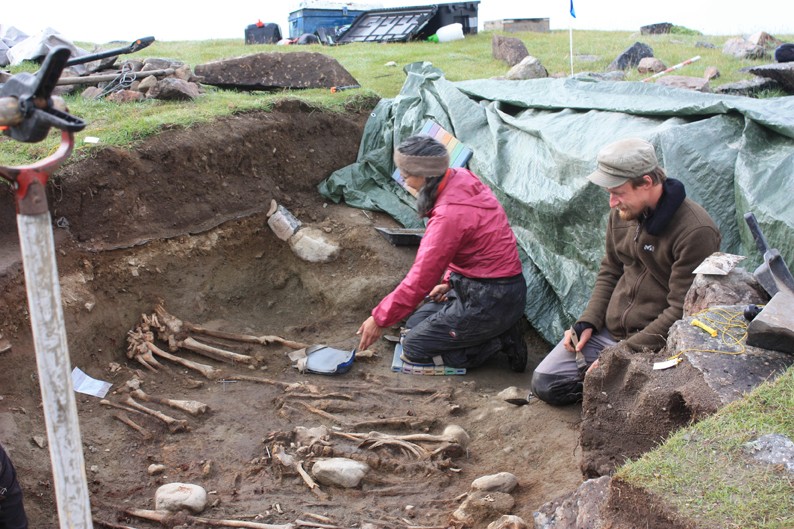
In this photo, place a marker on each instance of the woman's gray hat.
(623, 160)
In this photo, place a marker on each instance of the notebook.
(398, 366)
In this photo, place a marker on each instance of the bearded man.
(655, 238)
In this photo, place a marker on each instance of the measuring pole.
(49, 336)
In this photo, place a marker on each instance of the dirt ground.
(181, 220)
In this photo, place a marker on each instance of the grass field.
(379, 69)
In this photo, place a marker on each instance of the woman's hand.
(370, 333)
(439, 292)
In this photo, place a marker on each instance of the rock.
(508, 521)
(707, 45)
(737, 287)
(264, 71)
(727, 376)
(174, 497)
(784, 53)
(783, 73)
(173, 89)
(40, 441)
(748, 87)
(617, 75)
(513, 395)
(508, 49)
(660, 28)
(91, 92)
(339, 472)
(764, 39)
(698, 84)
(772, 449)
(481, 506)
(125, 96)
(582, 508)
(310, 244)
(773, 327)
(651, 65)
(501, 482)
(743, 49)
(528, 68)
(631, 57)
(711, 72)
(154, 469)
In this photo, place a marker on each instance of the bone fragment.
(166, 518)
(306, 477)
(191, 407)
(129, 422)
(174, 425)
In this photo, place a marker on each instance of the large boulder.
(508, 49)
(631, 57)
(274, 70)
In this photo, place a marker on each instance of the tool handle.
(760, 241)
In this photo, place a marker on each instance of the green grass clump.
(707, 473)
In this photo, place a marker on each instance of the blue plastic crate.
(308, 20)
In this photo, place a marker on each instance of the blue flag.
(573, 13)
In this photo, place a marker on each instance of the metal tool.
(27, 112)
(772, 274)
(136, 45)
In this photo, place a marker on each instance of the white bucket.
(450, 32)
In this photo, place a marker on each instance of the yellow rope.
(731, 330)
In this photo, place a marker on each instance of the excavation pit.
(180, 221)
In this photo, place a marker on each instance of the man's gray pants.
(472, 326)
(557, 379)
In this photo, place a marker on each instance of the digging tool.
(27, 112)
(136, 45)
(772, 274)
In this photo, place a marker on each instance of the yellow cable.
(730, 326)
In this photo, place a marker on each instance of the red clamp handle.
(30, 181)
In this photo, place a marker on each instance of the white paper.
(84, 384)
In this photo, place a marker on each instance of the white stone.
(174, 497)
(311, 245)
(340, 472)
(501, 482)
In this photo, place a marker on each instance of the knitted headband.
(426, 166)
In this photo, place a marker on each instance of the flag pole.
(570, 35)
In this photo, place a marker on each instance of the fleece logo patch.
(649, 248)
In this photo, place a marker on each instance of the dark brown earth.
(181, 220)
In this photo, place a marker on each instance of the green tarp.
(535, 142)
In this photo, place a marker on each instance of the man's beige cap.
(620, 161)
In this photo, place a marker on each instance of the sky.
(173, 20)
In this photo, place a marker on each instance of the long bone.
(169, 519)
(191, 407)
(453, 435)
(121, 416)
(186, 326)
(171, 330)
(174, 425)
